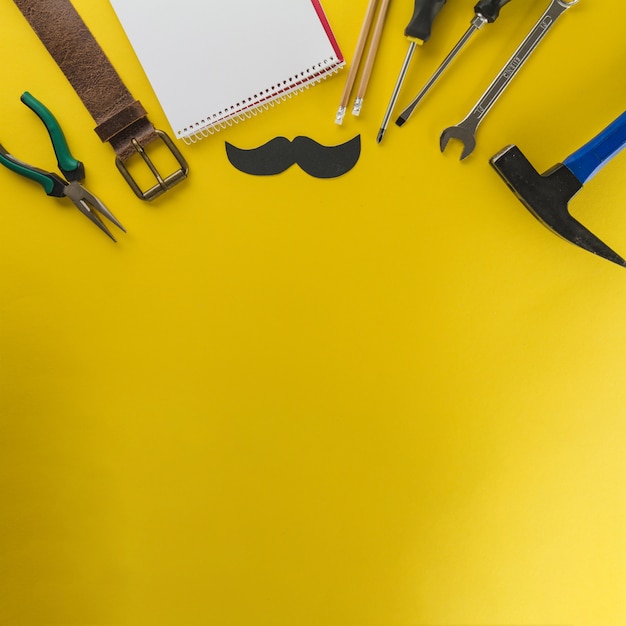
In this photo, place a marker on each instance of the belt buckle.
(163, 183)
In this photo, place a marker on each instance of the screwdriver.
(487, 12)
(418, 32)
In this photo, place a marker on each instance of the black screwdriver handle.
(490, 9)
(423, 17)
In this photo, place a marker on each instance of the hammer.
(547, 195)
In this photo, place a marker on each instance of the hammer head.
(547, 197)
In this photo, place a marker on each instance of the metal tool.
(72, 169)
(418, 32)
(486, 12)
(547, 195)
(465, 131)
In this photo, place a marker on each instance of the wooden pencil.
(356, 61)
(371, 57)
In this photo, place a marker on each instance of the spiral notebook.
(212, 63)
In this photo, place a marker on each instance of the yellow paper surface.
(391, 398)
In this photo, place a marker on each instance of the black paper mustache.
(279, 154)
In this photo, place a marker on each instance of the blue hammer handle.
(589, 160)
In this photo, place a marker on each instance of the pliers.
(72, 169)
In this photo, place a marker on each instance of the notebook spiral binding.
(206, 128)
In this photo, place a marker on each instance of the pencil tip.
(381, 134)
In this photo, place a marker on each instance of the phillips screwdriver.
(418, 32)
(486, 12)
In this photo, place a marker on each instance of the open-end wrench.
(465, 131)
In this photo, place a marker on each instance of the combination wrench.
(465, 131)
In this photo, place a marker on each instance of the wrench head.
(465, 136)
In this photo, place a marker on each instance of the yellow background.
(388, 399)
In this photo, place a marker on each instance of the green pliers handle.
(53, 185)
(72, 168)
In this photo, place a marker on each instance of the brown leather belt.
(121, 120)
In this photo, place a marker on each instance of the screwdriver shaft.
(477, 23)
(396, 91)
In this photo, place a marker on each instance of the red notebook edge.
(324, 20)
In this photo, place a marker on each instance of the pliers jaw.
(89, 205)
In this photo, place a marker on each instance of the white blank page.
(210, 61)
